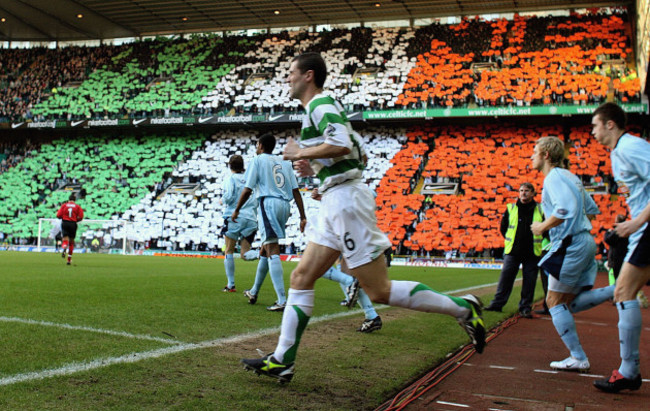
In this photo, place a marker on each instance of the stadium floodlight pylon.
(112, 235)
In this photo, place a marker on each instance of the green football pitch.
(134, 332)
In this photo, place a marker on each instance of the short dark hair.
(268, 142)
(72, 197)
(611, 112)
(529, 186)
(236, 163)
(312, 61)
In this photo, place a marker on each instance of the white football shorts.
(347, 222)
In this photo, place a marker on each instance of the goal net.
(98, 236)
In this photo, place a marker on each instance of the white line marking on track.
(591, 375)
(546, 371)
(547, 318)
(501, 367)
(453, 404)
(88, 329)
(74, 368)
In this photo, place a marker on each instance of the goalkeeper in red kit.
(70, 213)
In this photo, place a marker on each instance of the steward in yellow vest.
(521, 248)
(513, 225)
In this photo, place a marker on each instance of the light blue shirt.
(232, 188)
(564, 197)
(270, 176)
(631, 170)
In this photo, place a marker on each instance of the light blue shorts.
(273, 216)
(243, 228)
(573, 266)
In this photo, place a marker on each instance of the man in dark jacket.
(521, 248)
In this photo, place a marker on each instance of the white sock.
(419, 297)
(300, 306)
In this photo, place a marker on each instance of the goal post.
(101, 236)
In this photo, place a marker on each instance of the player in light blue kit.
(245, 228)
(570, 262)
(275, 183)
(631, 170)
(340, 274)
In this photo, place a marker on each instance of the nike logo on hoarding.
(273, 118)
(76, 123)
(17, 125)
(136, 122)
(203, 120)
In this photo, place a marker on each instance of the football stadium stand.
(439, 188)
(528, 61)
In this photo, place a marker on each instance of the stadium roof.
(52, 20)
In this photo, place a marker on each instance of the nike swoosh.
(76, 123)
(17, 125)
(273, 118)
(203, 120)
(136, 122)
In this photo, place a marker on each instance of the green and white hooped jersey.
(326, 122)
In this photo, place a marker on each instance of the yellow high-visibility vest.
(513, 214)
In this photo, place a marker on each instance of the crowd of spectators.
(576, 59)
(125, 178)
(12, 153)
(524, 62)
(487, 163)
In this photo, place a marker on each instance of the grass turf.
(150, 299)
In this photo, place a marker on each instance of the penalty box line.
(78, 367)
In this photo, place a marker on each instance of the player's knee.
(379, 295)
(624, 292)
(379, 298)
(552, 300)
(301, 280)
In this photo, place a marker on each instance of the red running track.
(513, 372)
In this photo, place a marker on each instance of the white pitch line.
(77, 367)
(145, 355)
(474, 287)
(88, 329)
